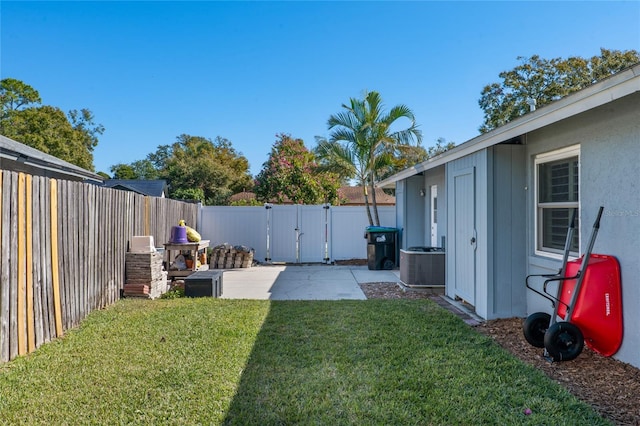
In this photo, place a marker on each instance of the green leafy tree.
(71, 137)
(537, 81)
(47, 129)
(440, 147)
(364, 141)
(14, 94)
(123, 171)
(141, 169)
(406, 156)
(145, 169)
(291, 173)
(196, 168)
(88, 131)
(200, 169)
(192, 194)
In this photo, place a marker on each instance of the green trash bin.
(381, 247)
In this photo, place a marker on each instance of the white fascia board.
(615, 87)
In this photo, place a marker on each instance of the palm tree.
(362, 143)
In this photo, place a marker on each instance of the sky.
(248, 71)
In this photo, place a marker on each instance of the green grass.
(212, 361)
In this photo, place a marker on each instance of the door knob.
(473, 240)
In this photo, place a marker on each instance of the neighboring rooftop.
(354, 196)
(154, 188)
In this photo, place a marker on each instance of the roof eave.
(34, 158)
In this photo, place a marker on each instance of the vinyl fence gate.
(293, 233)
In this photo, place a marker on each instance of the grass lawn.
(213, 361)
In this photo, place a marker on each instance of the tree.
(440, 147)
(71, 137)
(14, 94)
(538, 82)
(406, 156)
(141, 169)
(83, 124)
(364, 141)
(47, 129)
(291, 173)
(196, 168)
(145, 169)
(123, 171)
(200, 169)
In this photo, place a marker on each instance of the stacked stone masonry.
(145, 276)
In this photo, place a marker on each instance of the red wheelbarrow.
(587, 306)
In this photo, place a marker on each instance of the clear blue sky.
(246, 71)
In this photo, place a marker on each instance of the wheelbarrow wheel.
(564, 341)
(534, 328)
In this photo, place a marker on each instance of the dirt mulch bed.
(611, 387)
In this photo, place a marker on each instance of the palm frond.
(343, 134)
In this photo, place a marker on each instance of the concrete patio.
(301, 282)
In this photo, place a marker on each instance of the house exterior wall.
(401, 210)
(436, 177)
(507, 230)
(500, 229)
(609, 139)
(415, 212)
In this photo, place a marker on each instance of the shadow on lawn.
(288, 377)
(318, 362)
(387, 362)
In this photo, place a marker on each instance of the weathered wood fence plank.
(5, 211)
(13, 269)
(63, 247)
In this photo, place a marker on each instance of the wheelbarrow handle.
(597, 222)
(573, 219)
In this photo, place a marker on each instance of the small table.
(193, 248)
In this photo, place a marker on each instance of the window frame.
(547, 157)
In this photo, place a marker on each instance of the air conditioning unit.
(422, 267)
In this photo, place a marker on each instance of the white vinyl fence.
(293, 233)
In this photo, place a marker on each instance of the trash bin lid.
(381, 229)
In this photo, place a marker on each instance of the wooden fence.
(63, 248)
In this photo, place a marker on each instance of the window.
(557, 180)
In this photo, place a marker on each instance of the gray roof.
(20, 157)
(155, 188)
(622, 84)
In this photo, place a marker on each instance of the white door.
(434, 216)
(465, 235)
(282, 230)
(313, 234)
